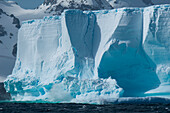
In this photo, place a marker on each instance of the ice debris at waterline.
(92, 56)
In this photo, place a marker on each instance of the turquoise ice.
(91, 56)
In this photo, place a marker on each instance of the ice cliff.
(90, 56)
(13, 14)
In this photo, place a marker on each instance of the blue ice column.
(157, 45)
(125, 60)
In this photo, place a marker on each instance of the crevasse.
(93, 55)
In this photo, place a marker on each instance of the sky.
(28, 4)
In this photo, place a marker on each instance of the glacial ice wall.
(92, 56)
(156, 44)
(121, 53)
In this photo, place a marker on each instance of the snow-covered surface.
(136, 3)
(11, 7)
(79, 56)
(58, 6)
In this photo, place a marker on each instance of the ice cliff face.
(68, 67)
(156, 44)
(79, 56)
(51, 7)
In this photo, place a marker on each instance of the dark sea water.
(126, 105)
(12, 107)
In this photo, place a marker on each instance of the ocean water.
(124, 105)
(18, 107)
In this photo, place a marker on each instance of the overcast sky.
(28, 4)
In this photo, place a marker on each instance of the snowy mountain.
(57, 6)
(11, 7)
(9, 26)
(136, 3)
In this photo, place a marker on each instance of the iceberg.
(91, 56)
(156, 44)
